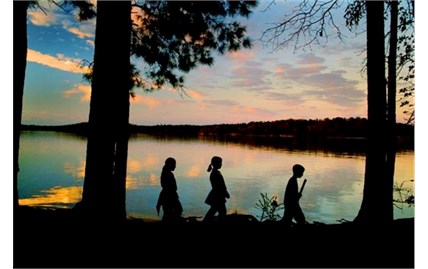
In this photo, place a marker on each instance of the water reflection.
(52, 173)
(77, 171)
(134, 166)
(141, 181)
(61, 197)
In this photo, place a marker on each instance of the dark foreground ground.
(57, 239)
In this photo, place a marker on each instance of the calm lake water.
(52, 169)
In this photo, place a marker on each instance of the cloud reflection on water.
(56, 196)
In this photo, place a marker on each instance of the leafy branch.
(404, 195)
(269, 207)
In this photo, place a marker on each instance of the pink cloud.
(250, 76)
(310, 59)
(244, 110)
(297, 73)
(241, 55)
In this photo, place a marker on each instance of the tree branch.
(306, 25)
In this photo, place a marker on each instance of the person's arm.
(222, 186)
(168, 181)
(291, 191)
(217, 181)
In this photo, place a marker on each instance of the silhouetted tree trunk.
(377, 203)
(107, 148)
(392, 92)
(20, 44)
(158, 43)
(19, 66)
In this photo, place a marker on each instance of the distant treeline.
(77, 128)
(308, 131)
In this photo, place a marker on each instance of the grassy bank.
(56, 238)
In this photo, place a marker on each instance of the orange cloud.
(79, 89)
(38, 17)
(203, 107)
(195, 94)
(146, 100)
(239, 108)
(90, 42)
(312, 68)
(236, 108)
(80, 34)
(249, 110)
(59, 62)
(279, 70)
(242, 55)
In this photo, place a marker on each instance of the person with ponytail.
(217, 196)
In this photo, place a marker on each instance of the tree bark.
(20, 44)
(392, 92)
(376, 206)
(107, 147)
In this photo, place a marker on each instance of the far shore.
(338, 134)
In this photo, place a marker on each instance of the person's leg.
(288, 216)
(210, 214)
(178, 210)
(299, 216)
(167, 214)
(221, 211)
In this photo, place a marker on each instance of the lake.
(52, 166)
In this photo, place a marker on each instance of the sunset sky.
(250, 85)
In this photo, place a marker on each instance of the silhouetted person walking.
(168, 197)
(291, 198)
(218, 194)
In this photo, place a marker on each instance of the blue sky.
(250, 85)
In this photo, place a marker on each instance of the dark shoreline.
(336, 135)
(56, 238)
(302, 128)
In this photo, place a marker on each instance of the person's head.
(216, 163)
(170, 164)
(298, 170)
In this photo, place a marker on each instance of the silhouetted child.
(168, 197)
(218, 194)
(291, 198)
